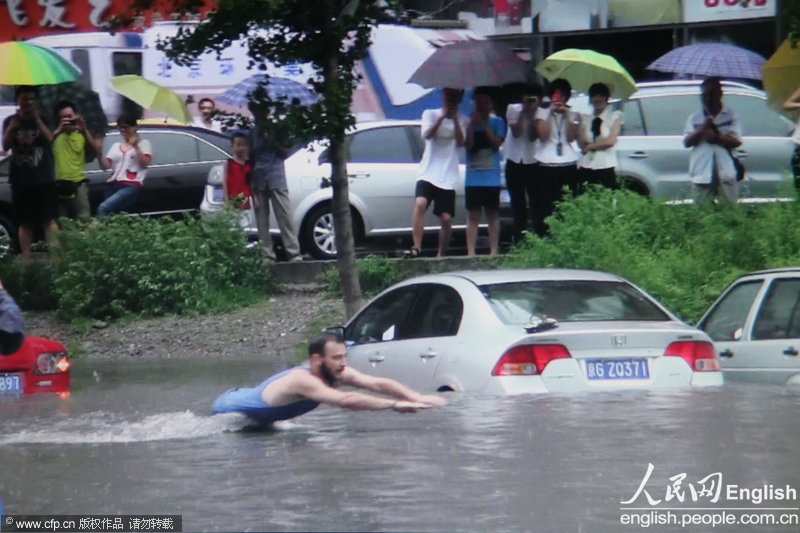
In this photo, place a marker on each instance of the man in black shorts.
(443, 131)
(31, 170)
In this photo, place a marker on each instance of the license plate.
(617, 369)
(505, 196)
(10, 383)
(217, 195)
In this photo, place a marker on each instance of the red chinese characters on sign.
(23, 19)
(745, 3)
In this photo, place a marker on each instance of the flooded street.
(136, 437)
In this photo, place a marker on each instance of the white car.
(527, 331)
(382, 163)
(654, 161)
(755, 325)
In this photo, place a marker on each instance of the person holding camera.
(520, 152)
(557, 128)
(73, 146)
(485, 134)
(712, 133)
(443, 132)
(31, 170)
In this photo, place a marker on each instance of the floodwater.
(136, 437)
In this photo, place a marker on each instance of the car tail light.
(699, 355)
(529, 359)
(51, 363)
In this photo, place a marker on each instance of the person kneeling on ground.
(298, 390)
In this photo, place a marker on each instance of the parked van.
(100, 55)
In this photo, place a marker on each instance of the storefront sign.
(709, 10)
(23, 19)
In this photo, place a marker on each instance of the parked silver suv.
(653, 160)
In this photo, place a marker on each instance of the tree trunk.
(342, 221)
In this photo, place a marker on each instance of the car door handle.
(377, 358)
(741, 154)
(358, 175)
(430, 354)
(791, 350)
(726, 353)
(638, 155)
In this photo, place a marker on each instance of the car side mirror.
(336, 330)
(215, 176)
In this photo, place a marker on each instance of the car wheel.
(317, 234)
(634, 185)
(8, 236)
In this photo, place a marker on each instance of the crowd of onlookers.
(548, 148)
(47, 167)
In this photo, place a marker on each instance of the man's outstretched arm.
(389, 387)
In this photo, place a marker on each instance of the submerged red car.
(39, 365)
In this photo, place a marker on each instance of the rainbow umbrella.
(29, 64)
(151, 96)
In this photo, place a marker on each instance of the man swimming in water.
(298, 390)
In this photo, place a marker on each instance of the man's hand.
(404, 406)
(432, 399)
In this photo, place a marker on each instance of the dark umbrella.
(86, 101)
(468, 64)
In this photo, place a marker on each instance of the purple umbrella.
(468, 64)
(711, 59)
(277, 89)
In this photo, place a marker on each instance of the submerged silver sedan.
(527, 331)
(755, 325)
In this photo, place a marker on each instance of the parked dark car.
(176, 177)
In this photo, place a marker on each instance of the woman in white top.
(793, 104)
(128, 160)
(557, 128)
(598, 135)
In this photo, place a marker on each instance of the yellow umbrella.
(781, 76)
(582, 68)
(152, 96)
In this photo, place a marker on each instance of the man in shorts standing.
(31, 170)
(443, 131)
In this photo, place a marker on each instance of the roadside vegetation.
(684, 255)
(126, 266)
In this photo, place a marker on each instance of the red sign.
(22, 19)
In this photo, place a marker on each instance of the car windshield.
(570, 301)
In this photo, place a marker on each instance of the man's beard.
(327, 375)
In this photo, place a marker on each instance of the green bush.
(32, 285)
(683, 255)
(124, 265)
(375, 273)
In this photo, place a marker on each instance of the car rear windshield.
(570, 301)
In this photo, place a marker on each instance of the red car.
(40, 365)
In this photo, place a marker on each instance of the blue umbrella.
(277, 88)
(711, 59)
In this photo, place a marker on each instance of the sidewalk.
(308, 272)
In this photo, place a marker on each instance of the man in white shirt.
(208, 110)
(712, 133)
(443, 131)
